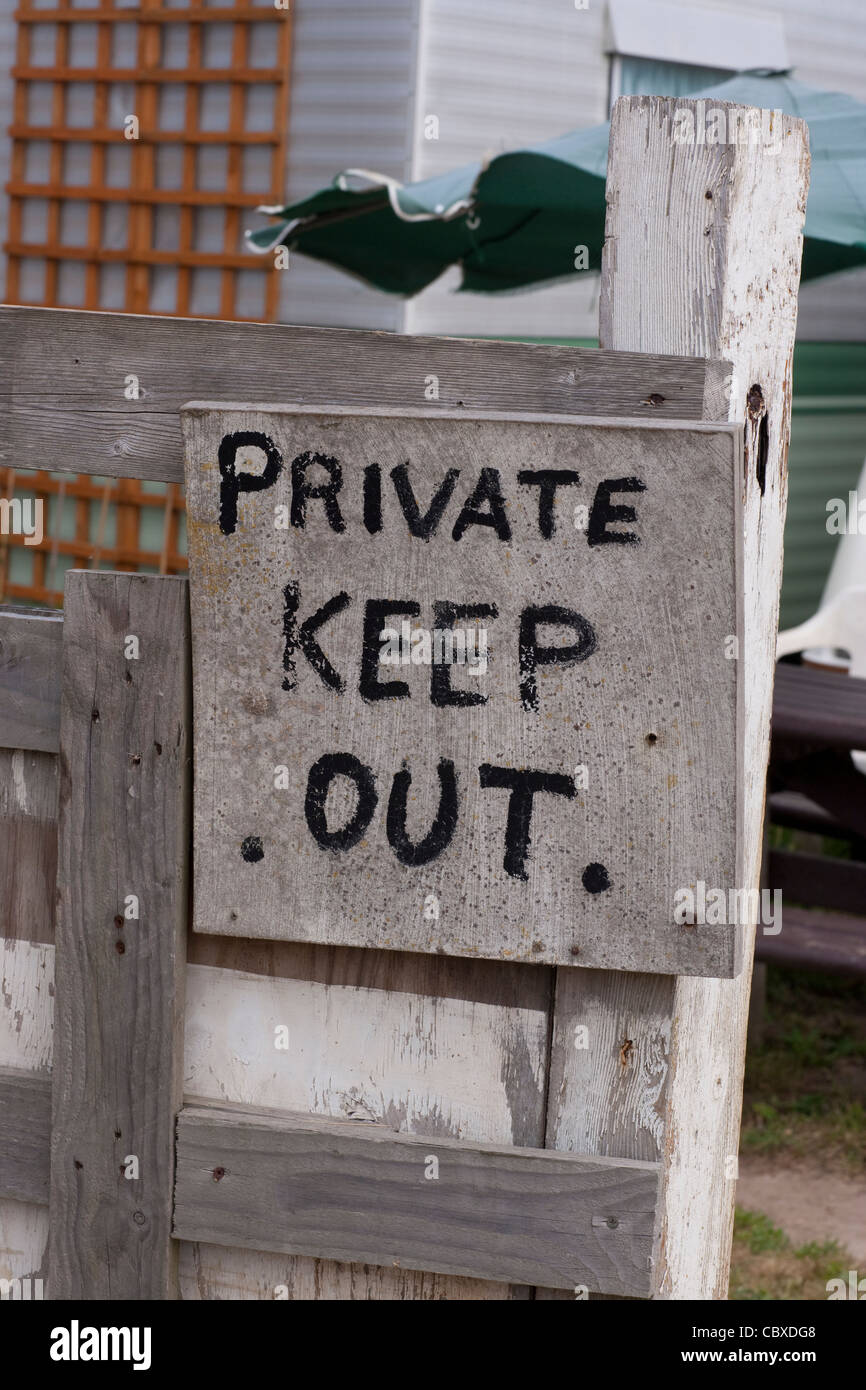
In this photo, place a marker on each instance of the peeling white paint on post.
(703, 245)
(305, 1046)
(547, 798)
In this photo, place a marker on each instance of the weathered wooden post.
(121, 936)
(702, 256)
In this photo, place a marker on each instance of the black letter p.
(233, 483)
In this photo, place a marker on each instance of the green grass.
(805, 1087)
(805, 1098)
(765, 1265)
(783, 837)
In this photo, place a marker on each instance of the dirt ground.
(807, 1202)
(801, 1194)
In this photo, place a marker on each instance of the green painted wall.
(828, 446)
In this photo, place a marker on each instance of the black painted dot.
(595, 878)
(252, 849)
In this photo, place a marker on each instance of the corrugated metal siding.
(827, 46)
(351, 106)
(826, 41)
(833, 309)
(828, 445)
(499, 74)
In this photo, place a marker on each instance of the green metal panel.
(828, 446)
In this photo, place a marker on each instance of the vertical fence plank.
(703, 244)
(28, 844)
(123, 836)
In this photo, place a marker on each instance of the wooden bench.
(818, 717)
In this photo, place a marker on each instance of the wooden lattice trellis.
(150, 224)
(109, 521)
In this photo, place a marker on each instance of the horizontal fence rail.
(358, 1192)
(25, 1135)
(65, 373)
(362, 1193)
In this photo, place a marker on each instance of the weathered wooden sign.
(466, 683)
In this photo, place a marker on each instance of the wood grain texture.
(24, 1245)
(359, 1193)
(434, 1046)
(28, 842)
(839, 884)
(229, 1272)
(374, 1051)
(62, 378)
(323, 1279)
(26, 1005)
(611, 1039)
(125, 768)
(29, 692)
(25, 1135)
(826, 707)
(813, 939)
(650, 714)
(702, 255)
(456, 1047)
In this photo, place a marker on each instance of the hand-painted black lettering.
(303, 637)
(376, 610)
(233, 483)
(373, 498)
(302, 490)
(547, 480)
(442, 830)
(488, 490)
(446, 614)
(531, 655)
(602, 513)
(523, 784)
(423, 527)
(321, 775)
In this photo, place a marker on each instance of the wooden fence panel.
(63, 375)
(25, 1136)
(121, 935)
(706, 1018)
(367, 1195)
(29, 689)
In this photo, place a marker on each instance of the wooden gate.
(182, 1151)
